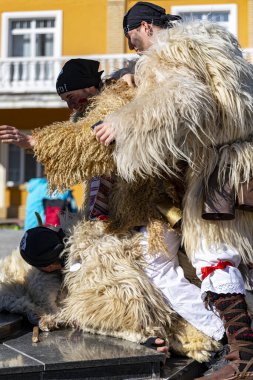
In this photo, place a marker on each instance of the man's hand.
(12, 135)
(104, 133)
(129, 78)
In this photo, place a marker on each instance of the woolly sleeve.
(164, 123)
(71, 154)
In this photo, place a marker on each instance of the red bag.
(53, 208)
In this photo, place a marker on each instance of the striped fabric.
(99, 191)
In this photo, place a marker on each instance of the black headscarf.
(151, 13)
(77, 74)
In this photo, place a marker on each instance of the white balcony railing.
(38, 75)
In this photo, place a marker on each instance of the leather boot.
(233, 312)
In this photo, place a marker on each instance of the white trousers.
(228, 280)
(178, 292)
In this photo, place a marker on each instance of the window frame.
(231, 8)
(7, 17)
(22, 152)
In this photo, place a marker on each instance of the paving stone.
(68, 354)
(9, 323)
(10, 240)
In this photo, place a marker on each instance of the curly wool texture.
(236, 233)
(195, 92)
(110, 283)
(70, 152)
(194, 103)
(188, 341)
(111, 295)
(26, 290)
(133, 204)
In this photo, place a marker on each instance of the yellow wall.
(84, 22)
(16, 196)
(242, 12)
(32, 118)
(15, 200)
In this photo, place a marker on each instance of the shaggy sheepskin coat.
(194, 103)
(110, 294)
(26, 290)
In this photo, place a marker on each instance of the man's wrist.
(30, 143)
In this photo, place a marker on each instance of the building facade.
(37, 37)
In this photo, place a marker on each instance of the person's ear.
(148, 28)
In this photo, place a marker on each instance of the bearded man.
(194, 105)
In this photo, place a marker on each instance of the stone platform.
(68, 354)
(9, 324)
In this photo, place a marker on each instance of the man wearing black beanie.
(41, 247)
(78, 81)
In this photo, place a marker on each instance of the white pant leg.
(228, 280)
(178, 292)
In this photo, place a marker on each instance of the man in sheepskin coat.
(149, 314)
(194, 104)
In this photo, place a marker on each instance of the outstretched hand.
(12, 135)
(104, 133)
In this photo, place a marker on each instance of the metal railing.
(38, 75)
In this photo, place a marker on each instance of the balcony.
(30, 83)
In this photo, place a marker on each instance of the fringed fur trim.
(156, 238)
(133, 204)
(237, 232)
(194, 92)
(238, 159)
(110, 293)
(114, 289)
(161, 126)
(70, 152)
(26, 290)
(194, 344)
(14, 268)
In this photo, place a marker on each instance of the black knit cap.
(41, 246)
(77, 74)
(151, 13)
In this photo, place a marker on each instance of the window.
(31, 37)
(22, 166)
(223, 14)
